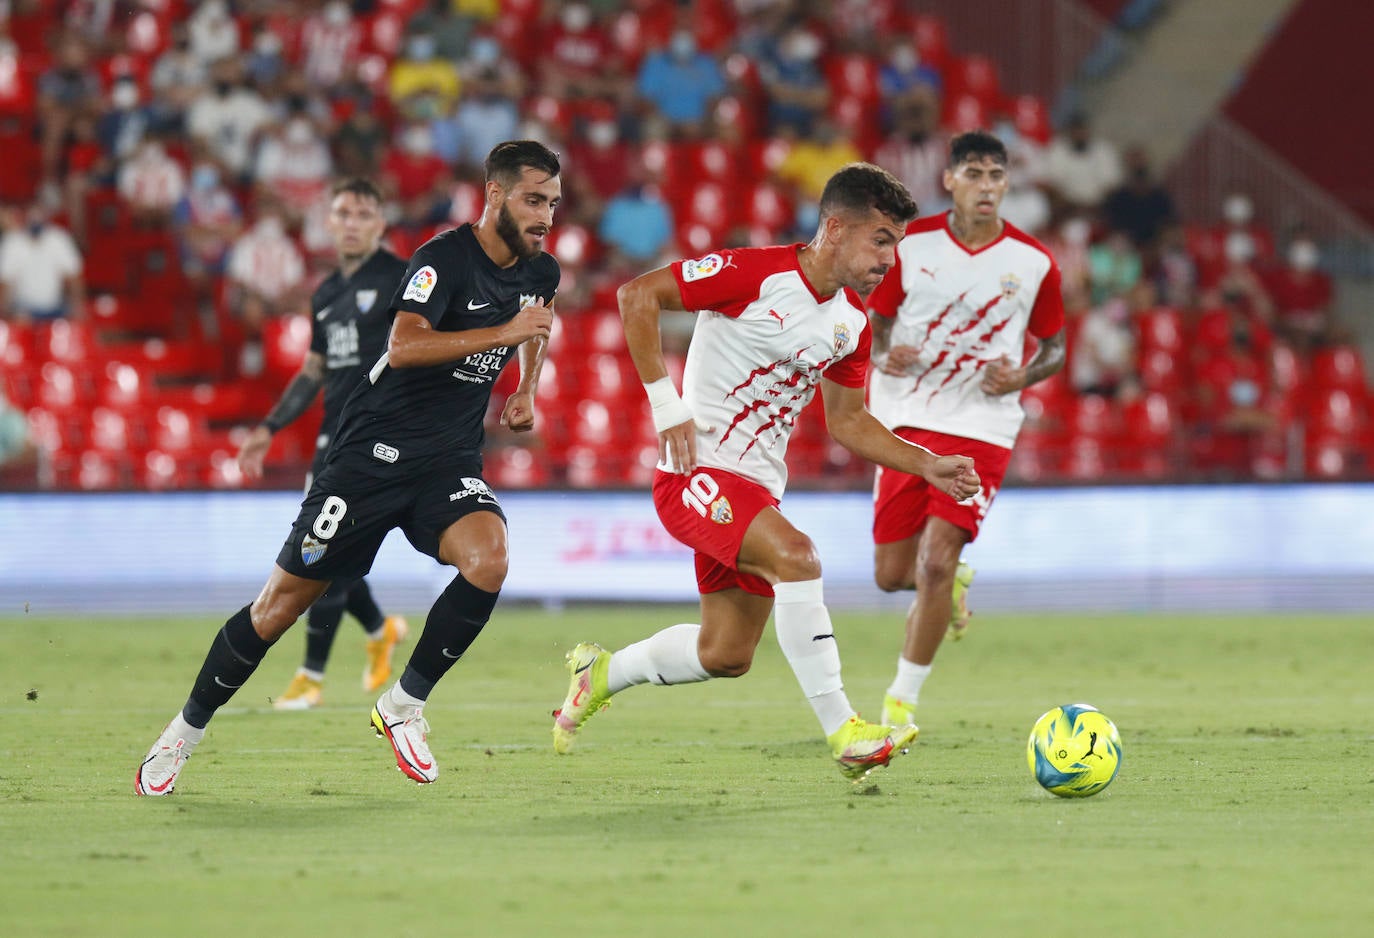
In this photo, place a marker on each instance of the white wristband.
(668, 409)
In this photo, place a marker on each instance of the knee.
(726, 664)
(892, 579)
(725, 659)
(796, 559)
(935, 567)
(486, 569)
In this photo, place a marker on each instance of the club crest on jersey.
(421, 285)
(842, 336)
(721, 512)
(528, 299)
(312, 550)
(703, 267)
(365, 300)
(1010, 284)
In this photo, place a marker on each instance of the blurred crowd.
(166, 164)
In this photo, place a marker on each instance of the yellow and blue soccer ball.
(1074, 751)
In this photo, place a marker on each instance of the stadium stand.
(156, 361)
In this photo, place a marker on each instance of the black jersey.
(350, 320)
(405, 413)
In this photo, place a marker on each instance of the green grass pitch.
(1245, 804)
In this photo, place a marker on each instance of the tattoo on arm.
(1048, 359)
(294, 401)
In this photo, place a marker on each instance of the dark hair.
(508, 160)
(363, 188)
(860, 187)
(974, 146)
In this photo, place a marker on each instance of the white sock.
(313, 675)
(666, 657)
(808, 643)
(192, 734)
(398, 700)
(906, 686)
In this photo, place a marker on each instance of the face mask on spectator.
(602, 133)
(576, 17)
(1237, 209)
(683, 45)
(1076, 231)
(267, 44)
(905, 59)
(125, 95)
(298, 133)
(483, 50)
(420, 48)
(1240, 247)
(801, 46)
(337, 14)
(417, 141)
(1303, 255)
(204, 178)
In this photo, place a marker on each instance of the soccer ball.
(1074, 751)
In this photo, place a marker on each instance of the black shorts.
(357, 499)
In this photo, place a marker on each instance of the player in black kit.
(408, 455)
(350, 320)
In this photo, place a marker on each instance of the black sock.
(363, 607)
(322, 624)
(454, 622)
(233, 656)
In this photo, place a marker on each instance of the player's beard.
(509, 230)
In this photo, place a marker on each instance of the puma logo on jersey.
(929, 271)
(780, 317)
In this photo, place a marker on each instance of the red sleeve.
(1047, 315)
(723, 281)
(852, 370)
(887, 296)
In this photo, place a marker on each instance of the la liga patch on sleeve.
(421, 285)
(704, 267)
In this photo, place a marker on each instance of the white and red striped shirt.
(763, 340)
(963, 310)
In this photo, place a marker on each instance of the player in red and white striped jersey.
(950, 322)
(774, 325)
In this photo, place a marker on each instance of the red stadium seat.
(110, 431)
(159, 471)
(1031, 118)
(574, 245)
(515, 467)
(175, 431)
(1094, 416)
(1162, 328)
(766, 205)
(1338, 367)
(974, 76)
(1086, 459)
(708, 204)
(67, 341)
(61, 387)
(222, 471)
(931, 38)
(1289, 369)
(99, 471)
(591, 467)
(123, 386)
(965, 112)
(285, 343)
(1160, 371)
(1337, 411)
(853, 74)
